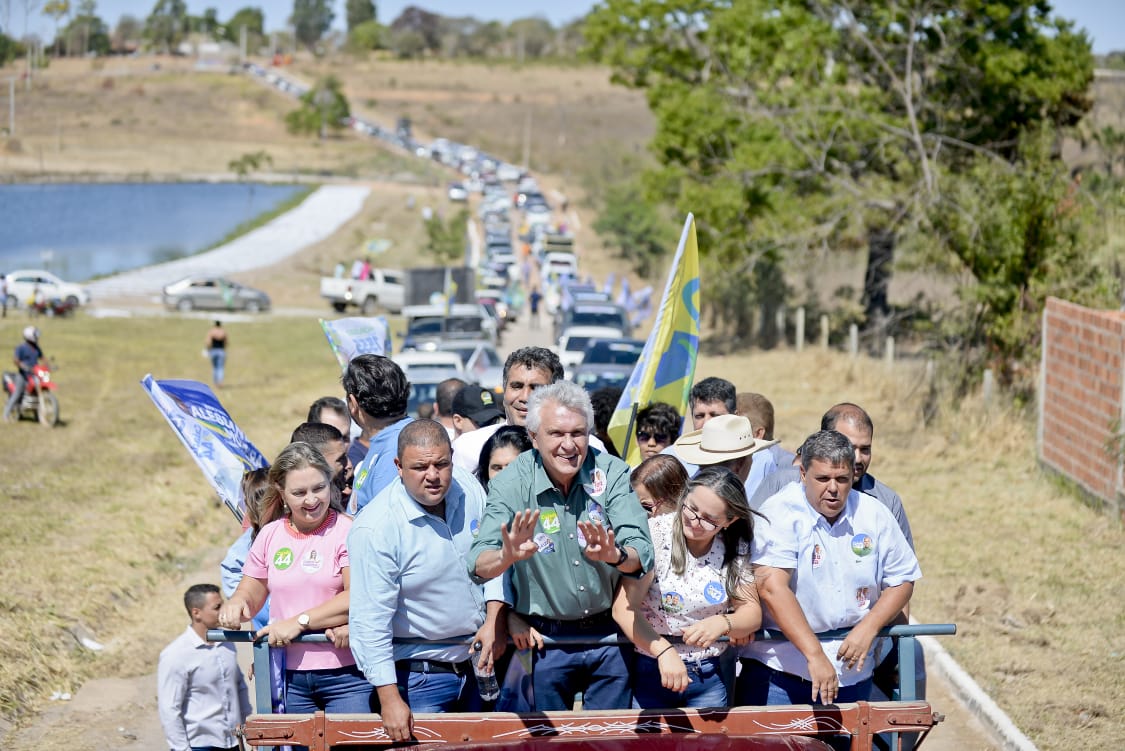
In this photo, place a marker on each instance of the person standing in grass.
(216, 348)
(201, 694)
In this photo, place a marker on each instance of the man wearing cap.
(826, 557)
(725, 440)
(565, 521)
(473, 408)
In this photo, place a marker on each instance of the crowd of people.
(511, 520)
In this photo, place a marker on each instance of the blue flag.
(215, 442)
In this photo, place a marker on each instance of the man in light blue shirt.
(377, 393)
(409, 578)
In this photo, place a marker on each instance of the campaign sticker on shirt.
(581, 539)
(863, 545)
(312, 562)
(598, 483)
(672, 602)
(549, 520)
(595, 512)
(817, 556)
(863, 598)
(545, 543)
(714, 592)
(474, 527)
(283, 559)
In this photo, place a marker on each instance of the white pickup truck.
(384, 289)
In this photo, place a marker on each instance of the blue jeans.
(218, 365)
(759, 685)
(600, 673)
(438, 692)
(340, 691)
(707, 688)
(14, 401)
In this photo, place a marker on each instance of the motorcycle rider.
(27, 356)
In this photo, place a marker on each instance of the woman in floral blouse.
(701, 589)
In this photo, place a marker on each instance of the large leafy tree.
(323, 107)
(788, 124)
(167, 25)
(250, 17)
(359, 11)
(311, 19)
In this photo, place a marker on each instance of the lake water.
(84, 230)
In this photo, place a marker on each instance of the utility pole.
(242, 44)
(29, 63)
(11, 107)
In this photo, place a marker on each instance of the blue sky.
(1104, 20)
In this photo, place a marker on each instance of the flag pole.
(629, 433)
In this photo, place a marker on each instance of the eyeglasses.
(692, 515)
(644, 437)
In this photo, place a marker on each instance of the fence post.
(889, 353)
(824, 331)
(799, 336)
(853, 341)
(986, 387)
(779, 323)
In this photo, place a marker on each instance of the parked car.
(415, 360)
(609, 317)
(426, 325)
(613, 352)
(423, 387)
(458, 192)
(22, 284)
(214, 293)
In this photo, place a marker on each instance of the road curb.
(969, 692)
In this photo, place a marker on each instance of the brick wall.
(1082, 397)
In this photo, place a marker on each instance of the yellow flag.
(666, 370)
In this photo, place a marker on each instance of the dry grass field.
(106, 513)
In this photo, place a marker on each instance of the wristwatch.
(303, 620)
(624, 556)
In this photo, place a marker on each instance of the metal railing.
(905, 635)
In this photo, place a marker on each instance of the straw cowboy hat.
(721, 438)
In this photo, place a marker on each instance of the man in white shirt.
(826, 557)
(201, 694)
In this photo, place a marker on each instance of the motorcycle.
(39, 400)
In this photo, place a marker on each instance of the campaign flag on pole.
(217, 444)
(349, 337)
(666, 368)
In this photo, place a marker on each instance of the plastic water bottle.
(487, 684)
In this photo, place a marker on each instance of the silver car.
(214, 293)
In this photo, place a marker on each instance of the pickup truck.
(383, 289)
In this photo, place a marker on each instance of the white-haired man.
(566, 522)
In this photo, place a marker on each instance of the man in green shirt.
(566, 521)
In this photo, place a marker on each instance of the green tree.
(323, 107)
(416, 21)
(57, 10)
(446, 240)
(127, 34)
(369, 35)
(10, 49)
(532, 36)
(250, 17)
(630, 222)
(167, 25)
(87, 32)
(358, 12)
(311, 19)
(795, 124)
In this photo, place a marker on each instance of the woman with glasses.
(701, 589)
(658, 425)
(659, 482)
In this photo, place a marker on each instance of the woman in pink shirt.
(301, 562)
